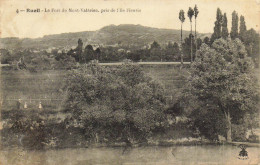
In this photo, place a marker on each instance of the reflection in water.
(207, 154)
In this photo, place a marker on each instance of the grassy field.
(45, 86)
(32, 88)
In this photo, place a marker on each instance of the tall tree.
(252, 42)
(78, 51)
(196, 12)
(98, 52)
(206, 40)
(182, 19)
(156, 52)
(187, 47)
(217, 28)
(176, 51)
(89, 54)
(242, 28)
(190, 15)
(222, 80)
(234, 28)
(224, 33)
(155, 45)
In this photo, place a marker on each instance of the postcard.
(120, 82)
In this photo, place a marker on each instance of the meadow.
(45, 86)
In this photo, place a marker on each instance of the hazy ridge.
(125, 34)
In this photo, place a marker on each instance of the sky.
(154, 13)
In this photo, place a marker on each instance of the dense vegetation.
(115, 103)
(111, 104)
(222, 82)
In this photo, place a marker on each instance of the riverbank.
(245, 143)
(199, 154)
(149, 143)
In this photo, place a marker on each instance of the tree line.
(222, 86)
(250, 38)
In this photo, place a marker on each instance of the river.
(155, 155)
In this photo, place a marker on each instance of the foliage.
(119, 103)
(6, 57)
(190, 13)
(89, 54)
(156, 52)
(172, 52)
(209, 122)
(242, 28)
(63, 62)
(181, 16)
(234, 28)
(182, 19)
(217, 28)
(155, 45)
(28, 128)
(253, 138)
(224, 33)
(196, 11)
(221, 76)
(239, 132)
(186, 46)
(251, 40)
(206, 40)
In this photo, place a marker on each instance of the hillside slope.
(126, 34)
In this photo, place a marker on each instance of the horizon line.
(98, 30)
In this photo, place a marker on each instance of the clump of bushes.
(114, 104)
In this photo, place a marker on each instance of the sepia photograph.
(129, 82)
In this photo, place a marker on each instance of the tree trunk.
(191, 41)
(97, 138)
(181, 49)
(229, 137)
(196, 36)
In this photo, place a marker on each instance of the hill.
(126, 35)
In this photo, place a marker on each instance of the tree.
(5, 56)
(242, 28)
(182, 19)
(217, 28)
(190, 15)
(252, 42)
(155, 45)
(172, 52)
(224, 33)
(98, 53)
(187, 47)
(206, 40)
(114, 103)
(222, 79)
(79, 50)
(176, 51)
(89, 54)
(156, 53)
(196, 12)
(234, 27)
(199, 43)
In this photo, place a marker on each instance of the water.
(190, 155)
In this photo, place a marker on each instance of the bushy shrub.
(210, 123)
(253, 138)
(239, 132)
(119, 103)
